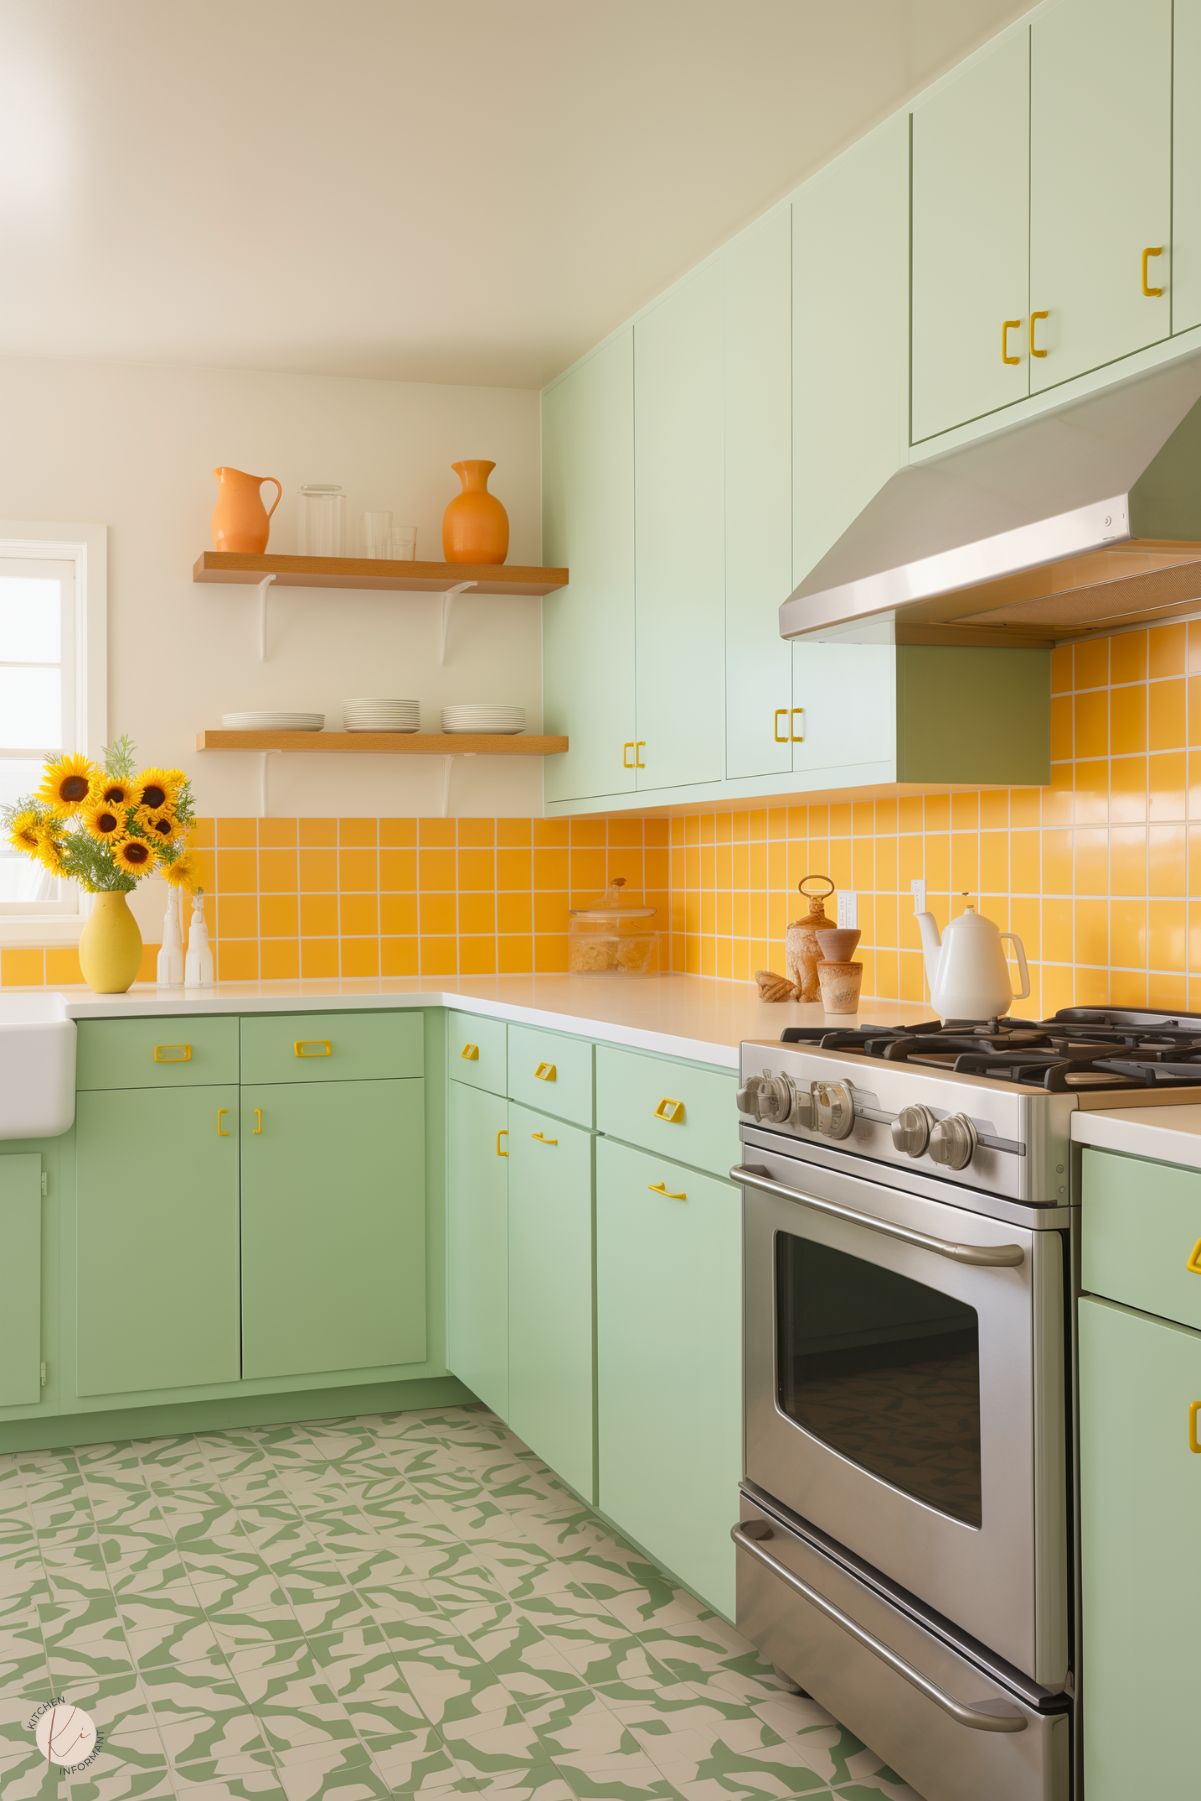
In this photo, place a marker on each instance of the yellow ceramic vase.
(110, 946)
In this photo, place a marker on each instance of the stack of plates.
(483, 719)
(371, 714)
(273, 722)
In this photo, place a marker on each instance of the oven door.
(904, 1370)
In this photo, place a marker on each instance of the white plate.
(279, 722)
(483, 731)
(382, 728)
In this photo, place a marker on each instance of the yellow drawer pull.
(258, 1123)
(639, 744)
(666, 1192)
(671, 1111)
(1194, 1261)
(172, 1053)
(470, 1053)
(222, 1116)
(1194, 1408)
(313, 1047)
(779, 736)
(1151, 250)
(1034, 319)
(1008, 326)
(626, 752)
(541, 1138)
(547, 1072)
(503, 1133)
(797, 737)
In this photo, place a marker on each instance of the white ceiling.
(442, 190)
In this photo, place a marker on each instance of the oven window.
(883, 1370)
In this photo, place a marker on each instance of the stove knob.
(911, 1130)
(953, 1141)
(834, 1109)
(748, 1094)
(802, 1109)
(775, 1098)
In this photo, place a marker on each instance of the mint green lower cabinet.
(333, 1227)
(669, 1362)
(20, 1279)
(1140, 1503)
(156, 1239)
(477, 1229)
(550, 1293)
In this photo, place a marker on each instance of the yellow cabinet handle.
(1008, 326)
(626, 752)
(172, 1053)
(222, 1114)
(258, 1123)
(639, 744)
(503, 1133)
(779, 736)
(546, 1072)
(313, 1047)
(665, 1191)
(671, 1111)
(470, 1053)
(796, 737)
(541, 1138)
(1193, 1266)
(1034, 319)
(1194, 1408)
(1151, 250)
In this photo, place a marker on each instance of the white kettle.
(966, 967)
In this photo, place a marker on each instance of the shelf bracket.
(448, 764)
(263, 587)
(448, 601)
(264, 782)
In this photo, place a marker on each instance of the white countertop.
(1166, 1133)
(679, 1015)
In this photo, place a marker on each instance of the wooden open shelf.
(402, 744)
(372, 572)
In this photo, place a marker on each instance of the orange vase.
(475, 526)
(241, 523)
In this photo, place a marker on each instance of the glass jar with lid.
(613, 935)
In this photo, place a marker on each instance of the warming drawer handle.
(982, 1256)
(996, 1718)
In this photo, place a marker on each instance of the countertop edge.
(1166, 1134)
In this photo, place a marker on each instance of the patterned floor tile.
(413, 1763)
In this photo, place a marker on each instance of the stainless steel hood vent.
(1080, 521)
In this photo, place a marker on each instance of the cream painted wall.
(134, 446)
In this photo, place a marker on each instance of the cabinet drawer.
(332, 1047)
(475, 1051)
(551, 1072)
(156, 1053)
(679, 1110)
(1141, 1235)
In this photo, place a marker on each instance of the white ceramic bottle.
(169, 970)
(198, 965)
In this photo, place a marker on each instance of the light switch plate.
(918, 890)
(848, 909)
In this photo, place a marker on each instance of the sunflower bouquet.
(107, 826)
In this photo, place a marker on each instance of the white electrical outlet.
(848, 909)
(917, 889)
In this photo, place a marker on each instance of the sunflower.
(183, 873)
(134, 856)
(25, 832)
(67, 784)
(50, 853)
(159, 824)
(104, 821)
(157, 788)
(116, 792)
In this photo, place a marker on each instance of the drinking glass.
(402, 543)
(377, 532)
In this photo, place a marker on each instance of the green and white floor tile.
(404, 1605)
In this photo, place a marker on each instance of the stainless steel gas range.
(905, 1550)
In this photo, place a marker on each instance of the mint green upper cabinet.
(1140, 1501)
(971, 174)
(588, 527)
(679, 538)
(20, 1279)
(756, 269)
(477, 1253)
(157, 1238)
(669, 1362)
(1101, 180)
(844, 706)
(1185, 286)
(550, 1292)
(333, 1226)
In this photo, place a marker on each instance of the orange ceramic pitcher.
(241, 522)
(475, 526)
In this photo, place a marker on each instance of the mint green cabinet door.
(333, 1227)
(669, 1362)
(971, 175)
(756, 270)
(588, 527)
(550, 1292)
(156, 1239)
(1100, 180)
(1140, 1501)
(678, 534)
(844, 707)
(477, 1253)
(20, 1279)
(1184, 289)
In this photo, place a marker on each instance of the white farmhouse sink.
(37, 1065)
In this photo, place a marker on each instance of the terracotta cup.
(840, 985)
(840, 945)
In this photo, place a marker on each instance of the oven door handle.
(982, 1256)
(995, 1717)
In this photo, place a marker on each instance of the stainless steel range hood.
(1081, 521)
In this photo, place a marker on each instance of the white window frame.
(85, 547)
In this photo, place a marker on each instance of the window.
(52, 685)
